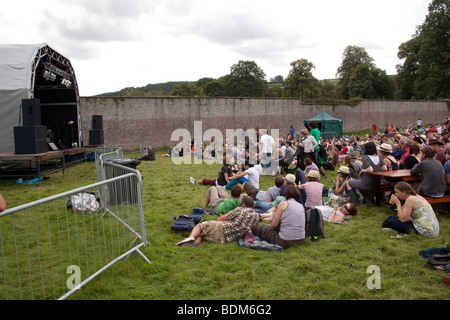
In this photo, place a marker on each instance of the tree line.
(423, 74)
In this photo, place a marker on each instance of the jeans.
(394, 222)
(264, 205)
(234, 182)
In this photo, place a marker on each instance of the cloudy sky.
(114, 44)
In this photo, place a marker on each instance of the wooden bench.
(384, 188)
(443, 199)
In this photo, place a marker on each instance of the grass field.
(333, 268)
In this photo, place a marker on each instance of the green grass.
(334, 268)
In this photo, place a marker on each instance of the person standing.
(315, 132)
(292, 132)
(266, 148)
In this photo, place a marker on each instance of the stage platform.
(31, 165)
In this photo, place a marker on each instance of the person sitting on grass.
(416, 215)
(310, 165)
(313, 188)
(263, 198)
(289, 180)
(288, 225)
(338, 213)
(220, 201)
(227, 228)
(149, 156)
(271, 212)
(251, 174)
(222, 180)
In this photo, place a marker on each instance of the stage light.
(66, 82)
(49, 76)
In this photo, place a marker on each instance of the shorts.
(212, 231)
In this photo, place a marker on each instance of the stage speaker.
(97, 122)
(31, 112)
(96, 137)
(30, 140)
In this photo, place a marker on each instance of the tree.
(277, 80)
(359, 77)
(246, 79)
(186, 89)
(425, 72)
(352, 57)
(213, 89)
(300, 82)
(360, 82)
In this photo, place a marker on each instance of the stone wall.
(138, 119)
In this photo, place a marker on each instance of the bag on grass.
(185, 222)
(197, 211)
(83, 202)
(439, 261)
(314, 224)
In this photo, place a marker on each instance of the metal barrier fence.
(52, 247)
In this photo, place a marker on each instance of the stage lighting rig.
(49, 76)
(50, 72)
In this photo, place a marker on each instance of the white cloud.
(114, 44)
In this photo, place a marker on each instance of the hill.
(162, 88)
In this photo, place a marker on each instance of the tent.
(328, 125)
(36, 71)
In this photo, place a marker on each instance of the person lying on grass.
(263, 198)
(223, 179)
(220, 201)
(338, 213)
(227, 228)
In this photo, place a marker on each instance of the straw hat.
(344, 169)
(386, 147)
(313, 174)
(290, 178)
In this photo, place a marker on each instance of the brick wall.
(138, 119)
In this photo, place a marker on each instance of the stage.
(31, 165)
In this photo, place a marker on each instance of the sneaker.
(192, 180)
(187, 240)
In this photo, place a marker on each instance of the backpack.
(185, 222)
(314, 224)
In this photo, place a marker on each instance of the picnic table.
(404, 175)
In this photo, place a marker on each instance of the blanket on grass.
(254, 242)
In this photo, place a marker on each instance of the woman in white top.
(308, 143)
(337, 214)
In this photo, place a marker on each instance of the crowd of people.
(424, 150)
